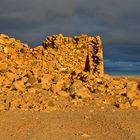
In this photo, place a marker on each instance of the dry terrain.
(100, 124)
(91, 123)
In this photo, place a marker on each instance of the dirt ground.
(89, 123)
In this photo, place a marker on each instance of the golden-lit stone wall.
(78, 53)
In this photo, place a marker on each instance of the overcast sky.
(116, 21)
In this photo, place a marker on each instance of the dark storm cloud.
(117, 22)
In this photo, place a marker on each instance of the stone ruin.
(83, 52)
(62, 72)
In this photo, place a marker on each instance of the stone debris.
(85, 136)
(136, 103)
(64, 72)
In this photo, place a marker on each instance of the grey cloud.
(128, 53)
(122, 67)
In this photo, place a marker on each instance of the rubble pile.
(58, 74)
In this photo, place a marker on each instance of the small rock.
(113, 110)
(85, 136)
(31, 80)
(58, 86)
(131, 94)
(2, 56)
(25, 79)
(1, 48)
(63, 69)
(79, 90)
(3, 66)
(91, 111)
(2, 107)
(136, 103)
(63, 93)
(10, 75)
(6, 50)
(86, 117)
(131, 85)
(51, 103)
(19, 85)
(2, 41)
(124, 105)
(83, 92)
(102, 107)
(4, 36)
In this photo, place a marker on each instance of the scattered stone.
(1, 48)
(78, 89)
(124, 105)
(58, 86)
(136, 103)
(19, 85)
(31, 80)
(85, 136)
(3, 66)
(131, 94)
(63, 93)
(2, 107)
(102, 107)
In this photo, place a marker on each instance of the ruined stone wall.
(81, 53)
(63, 71)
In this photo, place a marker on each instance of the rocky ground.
(47, 92)
(89, 123)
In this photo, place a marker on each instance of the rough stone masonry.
(79, 52)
